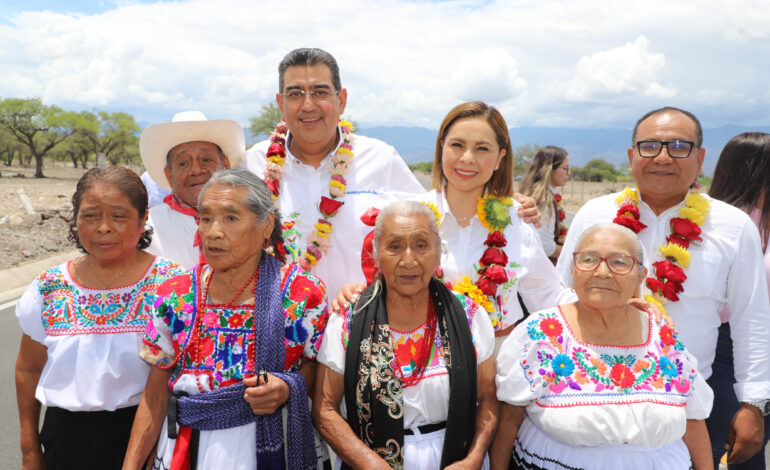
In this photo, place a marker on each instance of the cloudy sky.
(573, 63)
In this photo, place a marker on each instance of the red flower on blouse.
(667, 335)
(551, 327)
(293, 354)
(235, 320)
(407, 353)
(622, 376)
(303, 288)
(177, 284)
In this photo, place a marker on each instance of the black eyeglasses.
(676, 148)
(619, 264)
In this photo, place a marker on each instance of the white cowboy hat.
(188, 126)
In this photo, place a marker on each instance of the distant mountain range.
(417, 144)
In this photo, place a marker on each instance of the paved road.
(9, 420)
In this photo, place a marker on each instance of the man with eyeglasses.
(312, 100)
(723, 268)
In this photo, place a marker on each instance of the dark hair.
(309, 56)
(698, 128)
(501, 183)
(124, 180)
(742, 176)
(258, 200)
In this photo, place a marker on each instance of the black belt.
(426, 428)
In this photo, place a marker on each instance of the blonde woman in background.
(549, 170)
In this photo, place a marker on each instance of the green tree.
(37, 126)
(101, 132)
(522, 157)
(600, 170)
(264, 123)
(426, 167)
(9, 147)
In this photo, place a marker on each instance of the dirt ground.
(25, 238)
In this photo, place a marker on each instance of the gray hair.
(403, 208)
(406, 209)
(309, 56)
(625, 232)
(258, 200)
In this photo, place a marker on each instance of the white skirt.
(423, 451)
(534, 449)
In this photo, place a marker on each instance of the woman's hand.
(657, 313)
(33, 460)
(265, 397)
(346, 296)
(528, 210)
(148, 420)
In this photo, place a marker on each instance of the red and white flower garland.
(562, 215)
(669, 273)
(318, 240)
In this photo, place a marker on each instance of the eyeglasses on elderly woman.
(619, 264)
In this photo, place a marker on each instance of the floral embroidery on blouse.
(226, 349)
(407, 345)
(565, 372)
(70, 309)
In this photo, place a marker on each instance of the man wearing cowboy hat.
(181, 156)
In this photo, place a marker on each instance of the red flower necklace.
(562, 215)
(669, 273)
(318, 240)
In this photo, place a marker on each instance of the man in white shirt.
(181, 156)
(312, 100)
(724, 268)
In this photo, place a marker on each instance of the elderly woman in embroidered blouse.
(404, 329)
(82, 323)
(596, 383)
(234, 344)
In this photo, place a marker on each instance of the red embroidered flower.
(287, 225)
(178, 284)
(328, 206)
(667, 335)
(281, 248)
(407, 352)
(235, 320)
(202, 350)
(293, 354)
(495, 273)
(494, 256)
(669, 271)
(276, 149)
(551, 327)
(303, 288)
(622, 376)
(497, 239)
(486, 285)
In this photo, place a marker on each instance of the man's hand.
(528, 210)
(657, 313)
(265, 398)
(745, 437)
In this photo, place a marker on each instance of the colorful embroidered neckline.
(494, 215)
(669, 273)
(318, 240)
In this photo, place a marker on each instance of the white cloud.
(628, 69)
(581, 63)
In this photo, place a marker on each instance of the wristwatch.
(762, 405)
